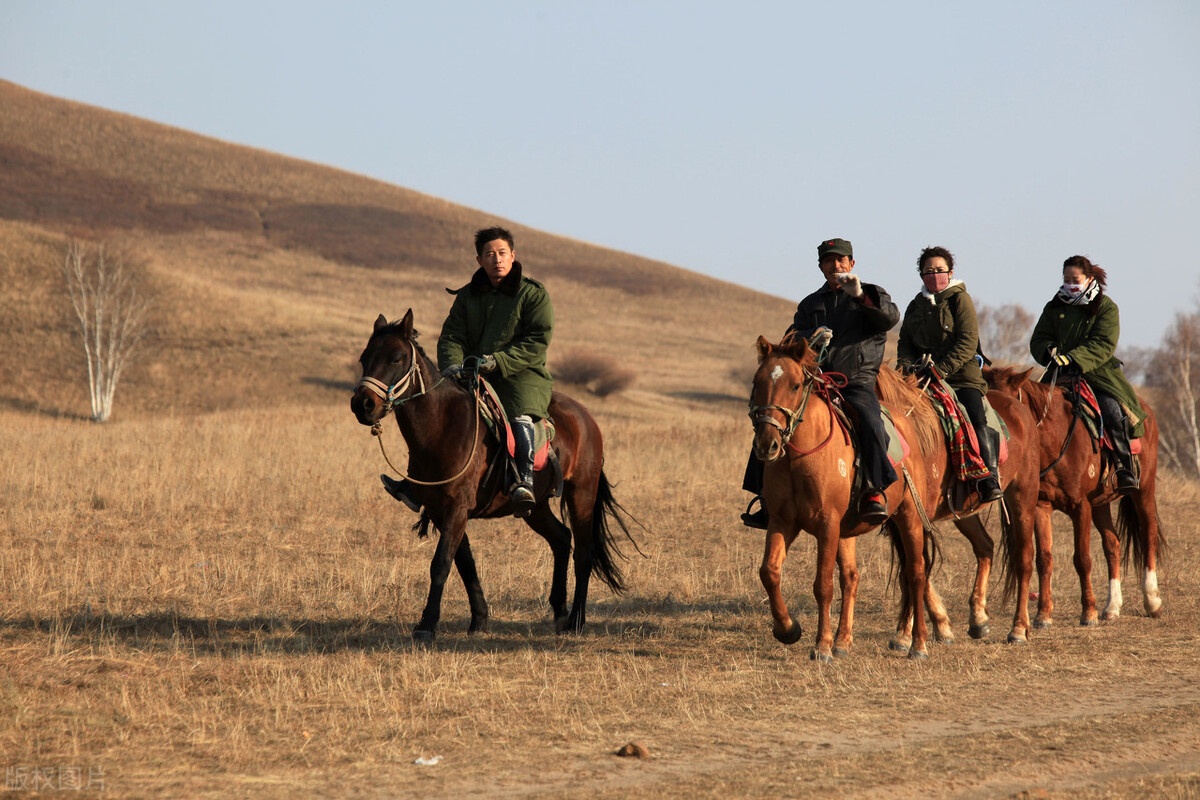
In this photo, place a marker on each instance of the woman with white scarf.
(1077, 335)
(940, 330)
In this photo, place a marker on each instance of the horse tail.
(1010, 556)
(604, 543)
(1133, 537)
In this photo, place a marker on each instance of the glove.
(821, 337)
(487, 364)
(453, 371)
(1060, 360)
(850, 284)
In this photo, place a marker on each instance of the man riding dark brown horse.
(505, 320)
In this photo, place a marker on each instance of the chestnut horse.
(808, 480)
(1074, 482)
(449, 455)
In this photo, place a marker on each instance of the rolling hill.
(266, 272)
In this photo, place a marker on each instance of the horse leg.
(908, 542)
(1102, 519)
(1082, 520)
(785, 628)
(939, 620)
(902, 640)
(1147, 518)
(984, 547)
(1020, 500)
(464, 560)
(848, 578)
(1045, 564)
(547, 525)
(439, 571)
(581, 509)
(828, 545)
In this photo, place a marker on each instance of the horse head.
(779, 394)
(390, 366)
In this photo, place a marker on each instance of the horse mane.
(902, 393)
(397, 329)
(1017, 381)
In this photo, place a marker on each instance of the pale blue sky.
(726, 138)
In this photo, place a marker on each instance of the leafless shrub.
(1004, 332)
(600, 374)
(111, 319)
(1175, 371)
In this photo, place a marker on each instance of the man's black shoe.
(523, 500)
(401, 490)
(873, 509)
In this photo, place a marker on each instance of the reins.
(391, 396)
(826, 384)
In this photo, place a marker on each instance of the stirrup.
(399, 490)
(755, 519)
(1126, 481)
(523, 500)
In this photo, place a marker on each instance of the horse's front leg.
(439, 571)
(1044, 535)
(1081, 519)
(848, 577)
(785, 628)
(983, 547)
(464, 560)
(828, 547)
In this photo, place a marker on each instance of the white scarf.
(1084, 297)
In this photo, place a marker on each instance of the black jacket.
(859, 329)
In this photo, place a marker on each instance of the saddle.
(1087, 408)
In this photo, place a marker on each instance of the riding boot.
(401, 490)
(1127, 480)
(521, 492)
(989, 450)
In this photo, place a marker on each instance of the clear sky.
(727, 138)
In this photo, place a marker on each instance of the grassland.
(211, 596)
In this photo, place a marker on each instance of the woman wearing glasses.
(940, 323)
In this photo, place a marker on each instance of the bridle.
(392, 397)
(825, 384)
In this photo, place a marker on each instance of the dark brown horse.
(449, 453)
(1075, 482)
(808, 481)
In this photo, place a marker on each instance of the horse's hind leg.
(848, 577)
(1102, 519)
(465, 561)
(984, 547)
(938, 618)
(581, 509)
(547, 525)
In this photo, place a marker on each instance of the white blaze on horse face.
(776, 373)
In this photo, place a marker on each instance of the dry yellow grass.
(221, 605)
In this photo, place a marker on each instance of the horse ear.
(406, 325)
(380, 321)
(764, 348)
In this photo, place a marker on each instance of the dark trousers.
(1115, 424)
(872, 438)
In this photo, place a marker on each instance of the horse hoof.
(841, 652)
(1088, 622)
(979, 631)
(560, 624)
(1109, 616)
(817, 655)
(789, 637)
(1042, 624)
(1014, 638)
(918, 655)
(478, 626)
(422, 636)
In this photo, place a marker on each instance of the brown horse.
(1075, 482)
(808, 481)
(449, 459)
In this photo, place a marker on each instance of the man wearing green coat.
(1077, 335)
(504, 319)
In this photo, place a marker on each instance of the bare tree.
(1004, 332)
(1175, 370)
(111, 315)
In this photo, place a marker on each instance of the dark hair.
(490, 235)
(1088, 269)
(934, 252)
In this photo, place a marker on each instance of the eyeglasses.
(935, 271)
